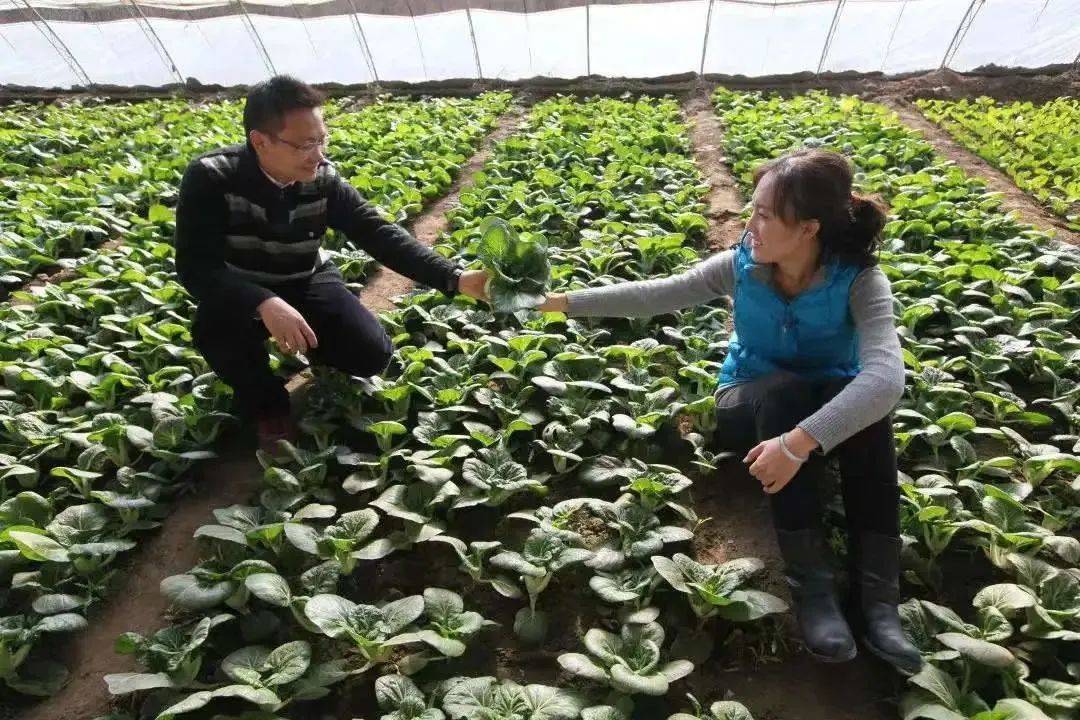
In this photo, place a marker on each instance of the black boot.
(875, 587)
(813, 589)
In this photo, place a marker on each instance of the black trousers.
(755, 411)
(234, 342)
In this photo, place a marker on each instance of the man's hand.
(474, 284)
(287, 326)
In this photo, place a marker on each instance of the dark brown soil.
(55, 274)
(1037, 85)
(1002, 83)
(801, 688)
(740, 524)
(1015, 199)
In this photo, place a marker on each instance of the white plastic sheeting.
(895, 37)
(514, 46)
(1022, 33)
(28, 58)
(647, 40)
(58, 43)
(748, 39)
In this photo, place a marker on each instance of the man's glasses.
(303, 147)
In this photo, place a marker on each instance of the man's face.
(296, 150)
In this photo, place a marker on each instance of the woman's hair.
(815, 184)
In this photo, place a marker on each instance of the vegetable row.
(1036, 144)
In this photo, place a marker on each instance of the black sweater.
(238, 234)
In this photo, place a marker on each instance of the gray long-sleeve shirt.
(870, 396)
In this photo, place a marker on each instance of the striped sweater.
(239, 234)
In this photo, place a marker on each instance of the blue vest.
(812, 334)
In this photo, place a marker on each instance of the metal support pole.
(705, 41)
(528, 34)
(472, 36)
(961, 31)
(419, 45)
(62, 50)
(152, 37)
(6, 41)
(892, 35)
(1039, 16)
(255, 38)
(303, 24)
(358, 29)
(829, 36)
(588, 38)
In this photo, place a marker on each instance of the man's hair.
(268, 102)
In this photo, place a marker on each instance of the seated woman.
(813, 370)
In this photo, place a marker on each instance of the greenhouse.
(540, 360)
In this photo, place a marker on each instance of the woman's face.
(772, 239)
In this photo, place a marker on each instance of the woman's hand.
(555, 302)
(474, 284)
(771, 466)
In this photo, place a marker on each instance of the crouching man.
(249, 226)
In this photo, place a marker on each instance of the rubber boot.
(875, 587)
(810, 577)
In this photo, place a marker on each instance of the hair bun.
(868, 215)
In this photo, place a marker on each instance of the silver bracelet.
(791, 455)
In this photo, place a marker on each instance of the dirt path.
(1013, 198)
(792, 686)
(136, 603)
(385, 284)
(724, 201)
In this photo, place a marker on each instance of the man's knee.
(359, 355)
(363, 363)
(214, 323)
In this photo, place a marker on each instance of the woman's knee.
(784, 397)
(784, 382)
(734, 431)
(870, 454)
(876, 438)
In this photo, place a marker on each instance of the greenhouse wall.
(64, 44)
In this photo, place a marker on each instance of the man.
(249, 225)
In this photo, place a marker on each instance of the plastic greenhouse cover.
(54, 43)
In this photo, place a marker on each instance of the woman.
(813, 370)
